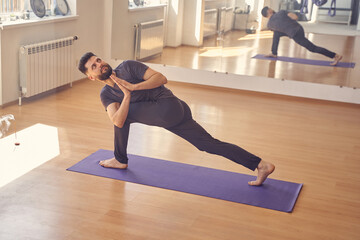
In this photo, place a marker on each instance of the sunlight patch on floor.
(38, 144)
(224, 52)
(260, 35)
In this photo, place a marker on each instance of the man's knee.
(312, 48)
(308, 45)
(208, 145)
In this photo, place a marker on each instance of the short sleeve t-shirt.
(281, 22)
(132, 72)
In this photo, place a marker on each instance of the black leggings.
(300, 39)
(174, 115)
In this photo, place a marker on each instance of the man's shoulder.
(128, 64)
(120, 65)
(280, 14)
(105, 90)
(129, 61)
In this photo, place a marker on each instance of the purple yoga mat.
(230, 186)
(306, 61)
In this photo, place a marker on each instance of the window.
(145, 3)
(16, 10)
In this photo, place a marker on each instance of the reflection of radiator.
(221, 19)
(210, 22)
(149, 39)
(229, 19)
(46, 65)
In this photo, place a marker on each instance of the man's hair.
(264, 11)
(83, 61)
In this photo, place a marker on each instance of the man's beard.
(104, 76)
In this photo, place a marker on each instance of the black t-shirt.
(132, 72)
(281, 22)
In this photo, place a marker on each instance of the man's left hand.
(126, 84)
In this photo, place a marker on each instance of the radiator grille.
(46, 65)
(210, 22)
(149, 39)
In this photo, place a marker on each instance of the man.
(136, 93)
(285, 24)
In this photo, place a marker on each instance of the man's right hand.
(118, 82)
(271, 55)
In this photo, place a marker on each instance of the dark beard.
(104, 76)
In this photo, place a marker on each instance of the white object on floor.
(38, 144)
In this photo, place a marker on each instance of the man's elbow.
(119, 124)
(293, 16)
(163, 78)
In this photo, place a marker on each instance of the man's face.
(98, 69)
(270, 12)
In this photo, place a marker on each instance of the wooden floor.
(313, 142)
(234, 55)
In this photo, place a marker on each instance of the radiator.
(229, 19)
(221, 20)
(45, 66)
(210, 22)
(149, 39)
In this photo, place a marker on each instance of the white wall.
(123, 32)
(107, 27)
(175, 23)
(88, 27)
(193, 22)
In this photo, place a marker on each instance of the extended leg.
(196, 135)
(275, 43)
(201, 139)
(300, 39)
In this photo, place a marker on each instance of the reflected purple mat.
(306, 61)
(230, 186)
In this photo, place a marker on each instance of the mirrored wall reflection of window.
(18, 6)
(145, 3)
(298, 7)
(13, 11)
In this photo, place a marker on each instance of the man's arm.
(275, 43)
(293, 16)
(118, 112)
(153, 79)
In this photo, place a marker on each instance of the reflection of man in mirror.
(283, 23)
(135, 93)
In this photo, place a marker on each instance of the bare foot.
(264, 170)
(271, 55)
(337, 59)
(112, 163)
